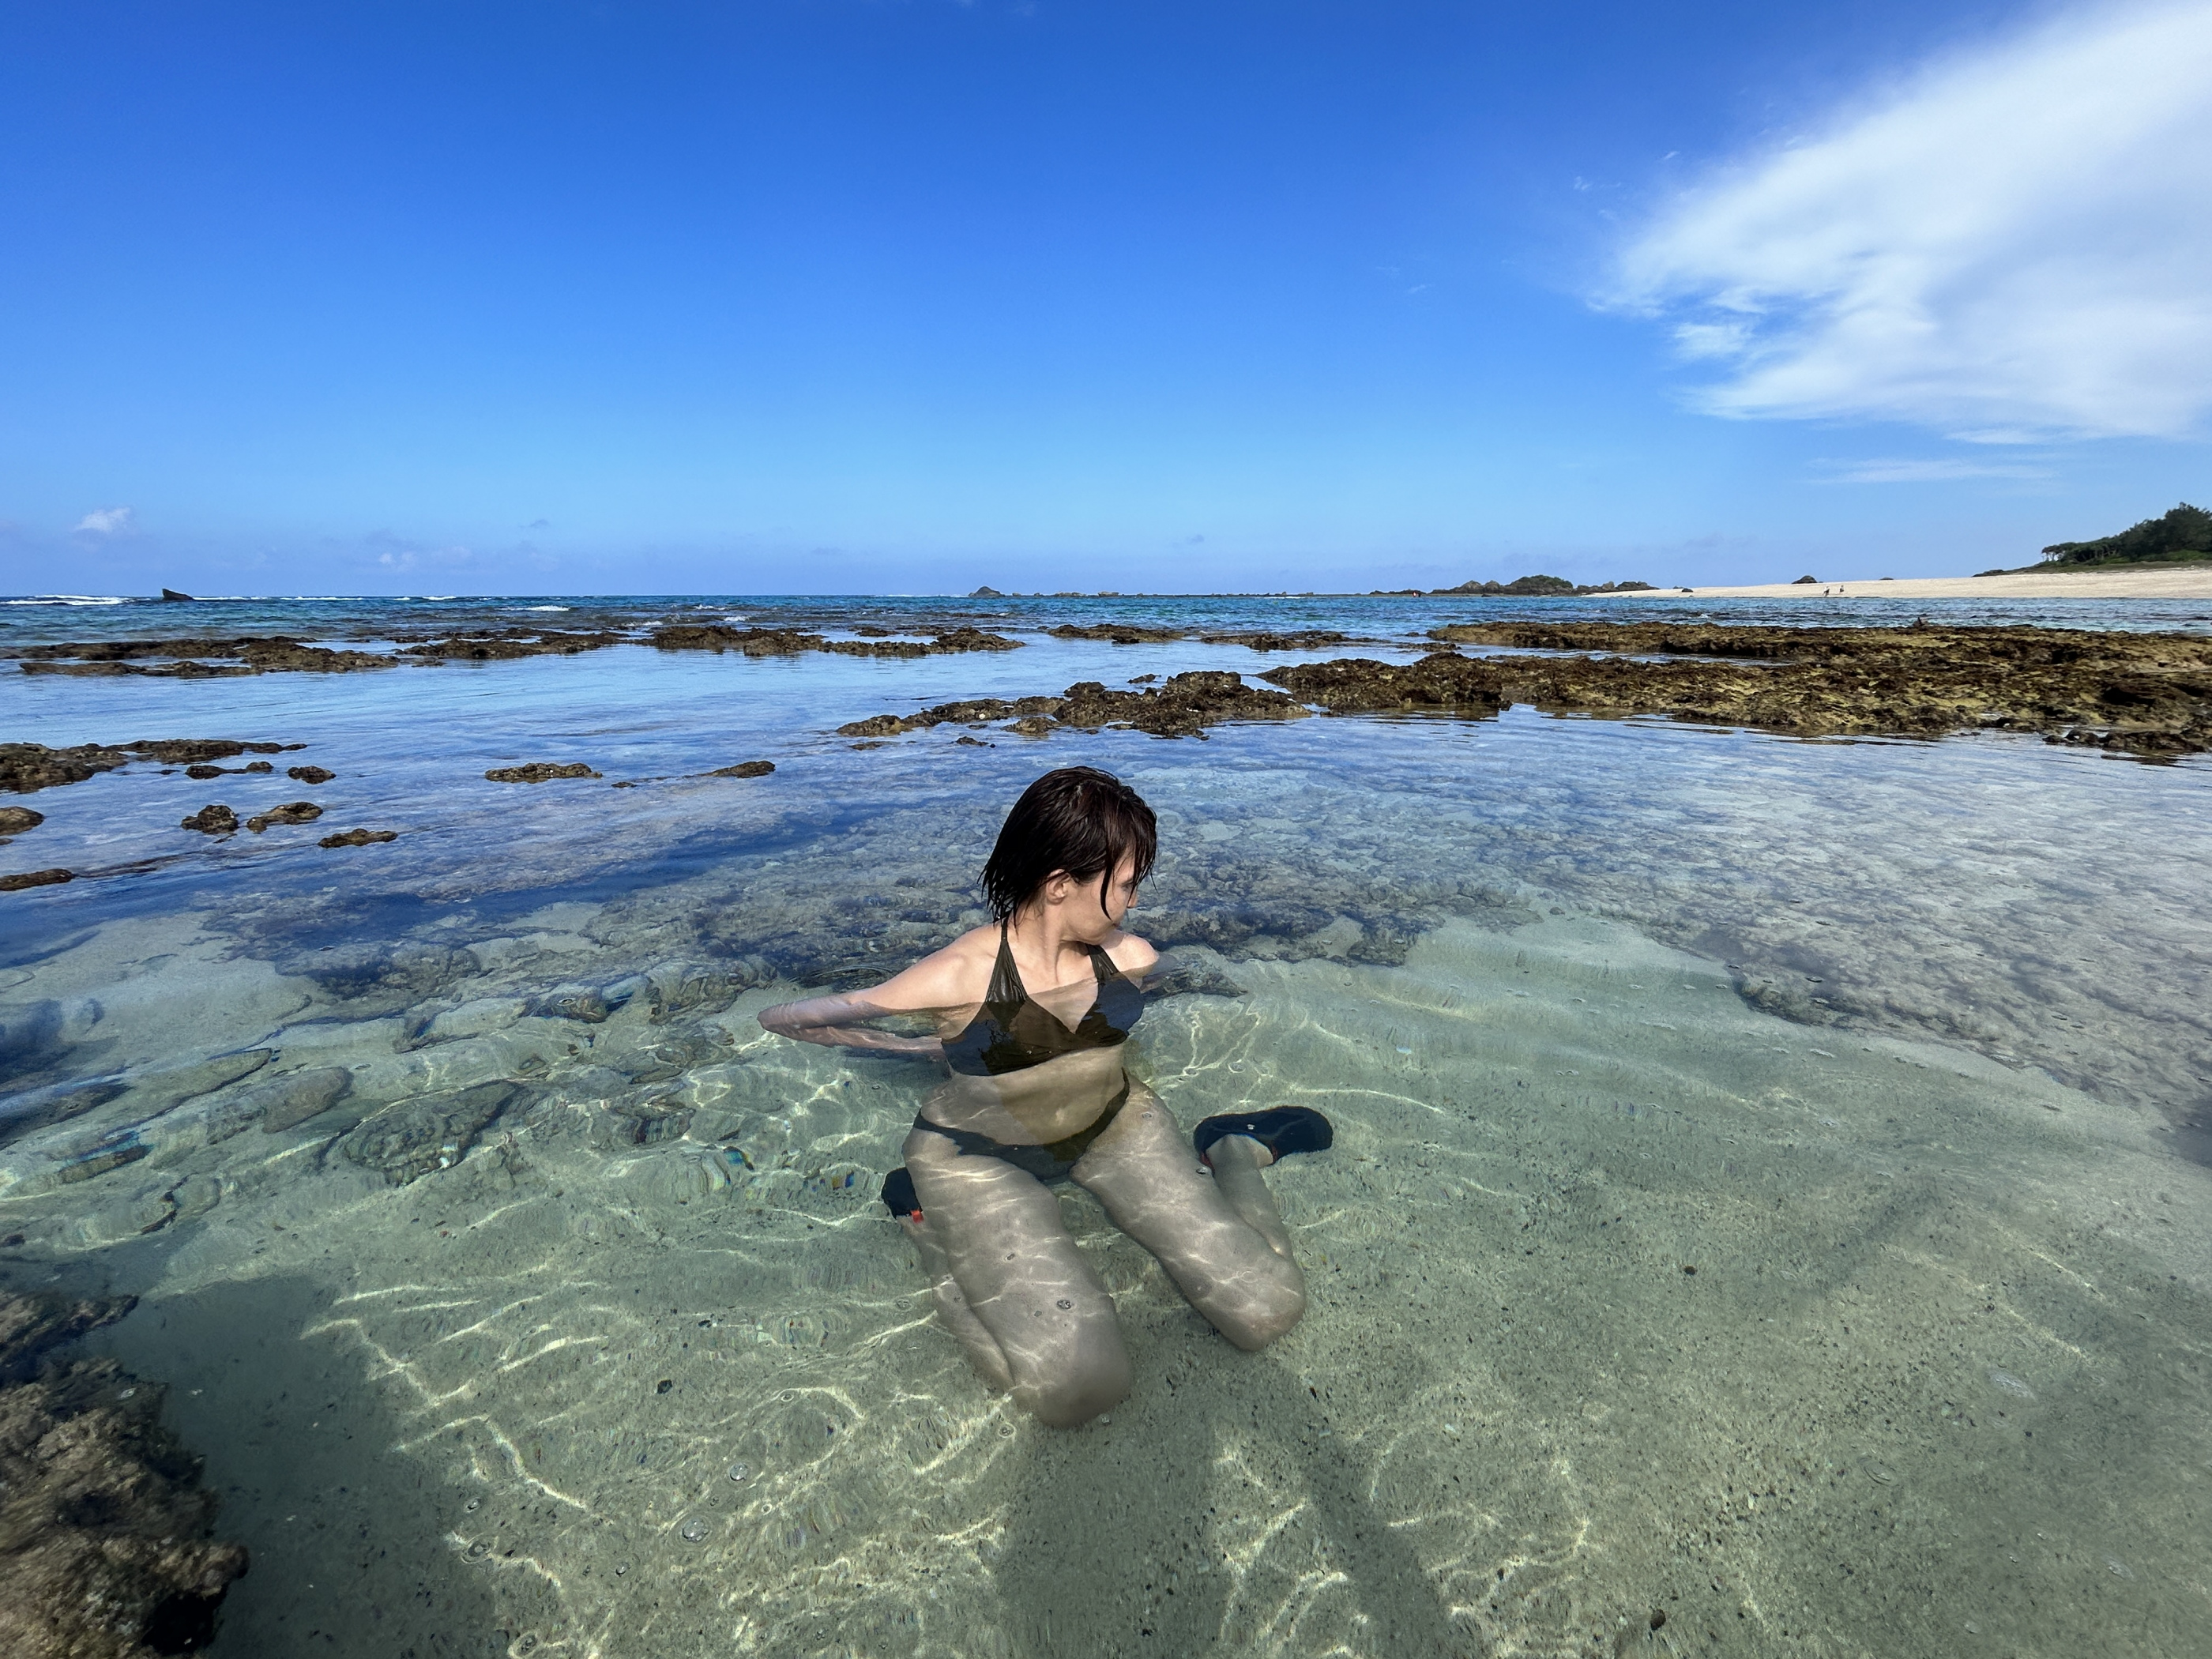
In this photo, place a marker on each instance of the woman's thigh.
(1144, 1172)
(1022, 1275)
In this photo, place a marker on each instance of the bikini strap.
(1102, 965)
(1006, 986)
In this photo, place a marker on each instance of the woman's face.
(1085, 912)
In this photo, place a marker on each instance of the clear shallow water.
(1942, 1363)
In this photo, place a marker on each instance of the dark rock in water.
(205, 770)
(972, 639)
(309, 773)
(586, 1003)
(14, 820)
(298, 812)
(788, 642)
(1260, 640)
(172, 595)
(1117, 633)
(973, 743)
(260, 654)
(713, 986)
(1442, 680)
(383, 978)
(421, 1136)
(987, 592)
(288, 1101)
(745, 769)
(34, 879)
(642, 1123)
(1181, 980)
(494, 647)
(104, 1544)
(25, 767)
(214, 819)
(1182, 706)
(540, 772)
(41, 1108)
(358, 837)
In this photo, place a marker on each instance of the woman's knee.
(1274, 1304)
(1074, 1382)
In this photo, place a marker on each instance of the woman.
(1036, 1095)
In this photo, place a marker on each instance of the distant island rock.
(987, 594)
(171, 593)
(1541, 587)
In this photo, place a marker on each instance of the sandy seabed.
(1626, 1300)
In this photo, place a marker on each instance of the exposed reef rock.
(105, 1543)
(358, 837)
(1117, 633)
(14, 820)
(298, 812)
(258, 654)
(25, 767)
(206, 771)
(1180, 707)
(309, 773)
(34, 879)
(213, 819)
(789, 642)
(1360, 685)
(540, 772)
(743, 770)
(1257, 639)
(2145, 693)
(506, 645)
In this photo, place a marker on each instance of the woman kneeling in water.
(1036, 1095)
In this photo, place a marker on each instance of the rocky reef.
(1256, 639)
(1183, 706)
(540, 772)
(180, 659)
(104, 1529)
(25, 767)
(2141, 693)
(790, 641)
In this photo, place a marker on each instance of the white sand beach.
(2188, 581)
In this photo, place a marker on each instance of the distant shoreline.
(2192, 581)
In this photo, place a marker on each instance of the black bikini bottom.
(1049, 1162)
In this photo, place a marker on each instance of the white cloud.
(2015, 243)
(1906, 470)
(104, 521)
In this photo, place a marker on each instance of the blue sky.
(820, 295)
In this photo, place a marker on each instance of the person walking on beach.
(1036, 1094)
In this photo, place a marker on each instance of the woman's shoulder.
(1129, 953)
(958, 973)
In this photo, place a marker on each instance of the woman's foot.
(1281, 1131)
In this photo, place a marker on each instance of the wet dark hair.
(1078, 819)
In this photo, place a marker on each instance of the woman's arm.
(940, 980)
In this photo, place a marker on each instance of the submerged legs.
(1219, 1237)
(1012, 1287)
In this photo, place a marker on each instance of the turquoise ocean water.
(1901, 1046)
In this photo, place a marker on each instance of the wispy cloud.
(2015, 243)
(1906, 470)
(104, 521)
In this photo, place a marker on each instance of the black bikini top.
(1013, 1031)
